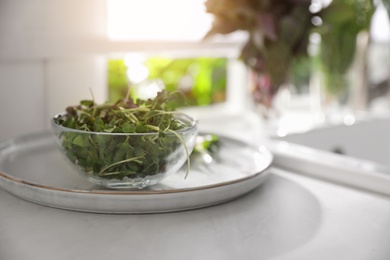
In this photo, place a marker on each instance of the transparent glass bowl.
(126, 160)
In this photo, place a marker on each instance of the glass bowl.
(126, 160)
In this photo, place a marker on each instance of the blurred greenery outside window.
(201, 79)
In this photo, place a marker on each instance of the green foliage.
(386, 3)
(202, 80)
(120, 156)
(278, 33)
(301, 70)
(117, 79)
(342, 21)
(207, 144)
(278, 36)
(206, 76)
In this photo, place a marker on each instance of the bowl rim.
(193, 124)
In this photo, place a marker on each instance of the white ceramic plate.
(32, 168)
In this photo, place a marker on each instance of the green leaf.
(98, 125)
(87, 103)
(78, 140)
(128, 128)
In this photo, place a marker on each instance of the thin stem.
(94, 103)
(152, 127)
(134, 159)
(127, 94)
(137, 109)
(186, 150)
(128, 116)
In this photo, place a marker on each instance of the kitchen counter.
(290, 216)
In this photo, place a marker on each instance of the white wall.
(73, 79)
(48, 60)
(22, 98)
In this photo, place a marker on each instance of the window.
(161, 45)
(202, 80)
(156, 20)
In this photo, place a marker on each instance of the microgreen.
(209, 143)
(119, 156)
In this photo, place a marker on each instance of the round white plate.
(32, 168)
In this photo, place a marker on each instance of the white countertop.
(289, 217)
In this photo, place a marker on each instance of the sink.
(353, 153)
(367, 140)
(356, 154)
